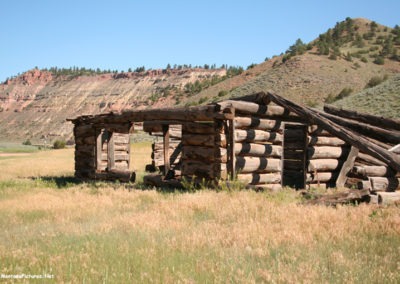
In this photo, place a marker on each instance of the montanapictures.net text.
(26, 276)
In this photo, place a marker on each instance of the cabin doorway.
(294, 156)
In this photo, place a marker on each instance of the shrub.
(374, 81)
(222, 93)
(344, 93)
(379, 60)
(59, 144)
(27, 142)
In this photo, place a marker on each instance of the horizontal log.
(384, 183)
(85, 148)
(122, 128)
(121, 147)
(159, 146)
(376, 171)
(316, 130)
(198, 140)
(118, 139)
(257, 136)
(327, 152)
(387, 198)
(198, 169)
(117, 156)
(202, 153)
(258, 150)
(257, 123)
(323, 165)
(256, 109)
(316, 185)
(325, 141)
(121, 175)
(256, 178)
(321, 177)
(256, 164)
(84, 131)
(198, 128)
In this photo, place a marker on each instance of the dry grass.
(103, 232)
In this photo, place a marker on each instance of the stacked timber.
(203, 154)
(85, 150)
(174, 150)
(258, 140)
(326, 155)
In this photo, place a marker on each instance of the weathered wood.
(198, 169)
(345, 197)
(256, 178)
(203, 153)
(364, 184)
(327, 152)
(231, 163)
(369, 160)
(347, 135)
(157, 126)
(378, 121)
(173, 133)
(395, 149)
(387, 198)
(121, 139)
(319, 177)
(380, 134)
(256, 109)
(384, 183)
(346, 167)
(325, 141)
(84, 130)
(110, 152)
(316, 130)
(159, 181)
(375, 171)
(114, 174)
(198, 140)
(99, 144)
(257, 136)
(166, 148)
(256, 164)
(198, 128)
(323, 165)
(258, 150)
(257, 123)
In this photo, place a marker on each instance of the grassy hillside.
(383, 99)
(346, 56)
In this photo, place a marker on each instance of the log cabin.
(263, 140)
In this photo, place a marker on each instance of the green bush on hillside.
(59, 144)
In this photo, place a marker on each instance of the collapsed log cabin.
(263, 140)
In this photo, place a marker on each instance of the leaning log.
(347, 135)
(378, 121)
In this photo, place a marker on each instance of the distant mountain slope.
(383, 99)
(346, 56)
(36, 104)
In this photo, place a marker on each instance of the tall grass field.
(80, 232)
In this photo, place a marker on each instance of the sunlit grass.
(107, 232)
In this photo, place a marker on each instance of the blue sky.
(120, 34)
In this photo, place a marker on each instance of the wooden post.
(110, 152)
(231, 148)
(166, 148)
(99, 144)
(347, 166)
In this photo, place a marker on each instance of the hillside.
(36, 104)
(346, 56)
(383, 99)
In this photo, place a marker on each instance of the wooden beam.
(374, 120)
(351, 137)
(346, 167)
(99, 150)
(110, 152)
(166, 148)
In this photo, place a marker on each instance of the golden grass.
(103, 232)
